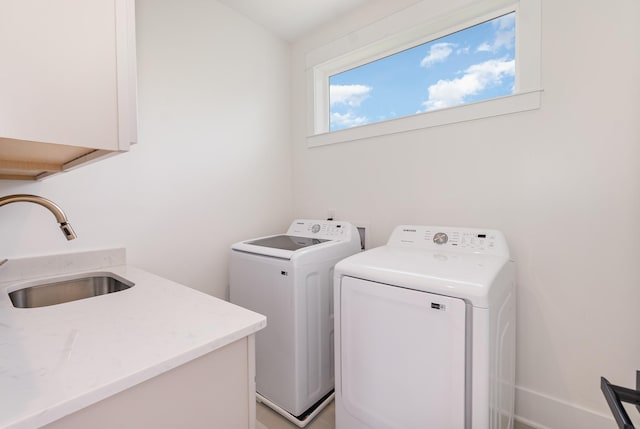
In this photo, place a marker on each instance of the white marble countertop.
(58, 359)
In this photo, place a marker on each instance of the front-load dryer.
(425, 332)
(289, 278)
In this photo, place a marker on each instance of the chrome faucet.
(61, 218)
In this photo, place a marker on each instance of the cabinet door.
(61, 72)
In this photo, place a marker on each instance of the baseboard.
(541, 411)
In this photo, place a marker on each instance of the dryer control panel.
(324, 229)
(473, 240)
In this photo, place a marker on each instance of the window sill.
(520, 102)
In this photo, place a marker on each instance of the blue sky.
(471, 65)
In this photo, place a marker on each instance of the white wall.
(562, 182)
(213, 162)
(214, 166)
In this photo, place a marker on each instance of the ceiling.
(292, 19)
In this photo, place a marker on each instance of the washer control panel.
(325, 229)
(473, 240)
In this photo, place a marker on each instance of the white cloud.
(347, 120)
(351, 95)
(447, 93)
(504, 38)
(505, 34)
(484, 47)
(505, 22)
(437, 53)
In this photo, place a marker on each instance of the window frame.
(362, 47)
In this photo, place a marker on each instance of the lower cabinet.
(214, 391)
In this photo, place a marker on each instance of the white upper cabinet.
(67, 83)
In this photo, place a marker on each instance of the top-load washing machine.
(425, 332)
(289, 278)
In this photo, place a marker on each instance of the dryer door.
(402, 356)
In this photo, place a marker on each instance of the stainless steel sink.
(68, 289)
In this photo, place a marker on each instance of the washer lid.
(304, 237)
(280, 246)
(286, 242)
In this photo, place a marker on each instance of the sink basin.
(68, 289)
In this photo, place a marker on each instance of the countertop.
(59, 359)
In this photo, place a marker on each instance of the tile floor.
(268, 419)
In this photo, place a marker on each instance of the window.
(473, 64)
(477, 62)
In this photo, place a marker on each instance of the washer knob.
(315, 228)
(440, 238)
